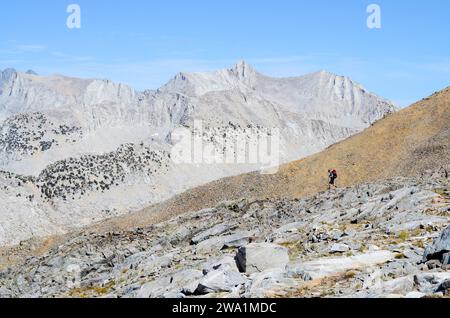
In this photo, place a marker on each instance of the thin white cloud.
(70, 58)
(31, 48)
(439, 67)
(8, 63)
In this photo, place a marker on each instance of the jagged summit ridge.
(242, 69)
(309, 93)
(6, 75)
(196, 84)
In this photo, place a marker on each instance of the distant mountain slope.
(99, 116)
(321, 95)
(407, 143)
(94, 149)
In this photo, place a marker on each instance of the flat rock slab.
(258, 257)
(220, 281)
(339, 248)
(214, 231)
(270, 283)
(399, 286)
(227, 262)
(290, 227)
(185, 280)
(324, 267)
(216, 243)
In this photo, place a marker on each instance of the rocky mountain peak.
(243, 70)
(7, 74)
(31, 72)
(338, 79)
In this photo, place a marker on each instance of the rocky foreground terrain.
(383, 239)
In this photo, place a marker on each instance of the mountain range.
(77, 151)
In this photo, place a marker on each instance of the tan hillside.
(405, 143)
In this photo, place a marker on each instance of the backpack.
(334, 172)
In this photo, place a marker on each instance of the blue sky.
(145, 42)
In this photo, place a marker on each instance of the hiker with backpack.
(332, 176)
